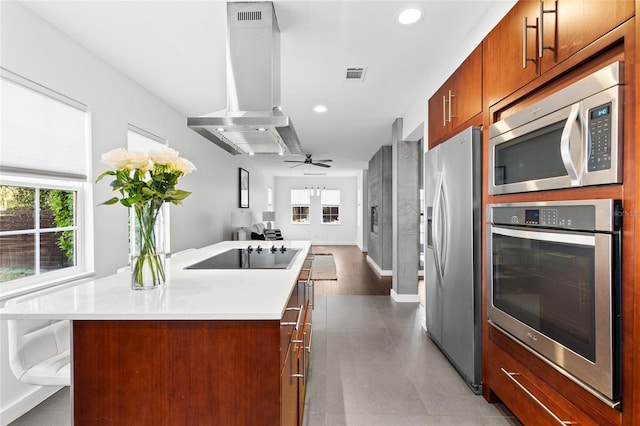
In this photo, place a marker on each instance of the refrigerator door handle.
(437, 230)
(444, 226)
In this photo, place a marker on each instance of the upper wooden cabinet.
(569, 25)
(536, 35)
(458, 100)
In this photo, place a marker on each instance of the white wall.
(415, 124)
(35, 50)
(345, 233)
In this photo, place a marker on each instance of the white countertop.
(188, 294)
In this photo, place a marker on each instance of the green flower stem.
(147, 259)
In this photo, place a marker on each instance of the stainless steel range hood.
(252, 122)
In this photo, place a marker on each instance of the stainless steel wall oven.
(554, 274)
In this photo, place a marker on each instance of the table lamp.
(241, 220)
(268, 217)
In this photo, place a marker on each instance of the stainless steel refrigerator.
(453, 266)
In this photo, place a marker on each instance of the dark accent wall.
(379, 235)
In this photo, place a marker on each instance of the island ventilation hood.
(253, 122)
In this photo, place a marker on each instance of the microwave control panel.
(599, 138)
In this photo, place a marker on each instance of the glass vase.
(147, 246)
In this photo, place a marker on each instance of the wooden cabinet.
(289, 389)
(296, 335)
(458, 100)
(508, 61)
(567, 26)
(207, 372)
(517, 379)
(536, 35)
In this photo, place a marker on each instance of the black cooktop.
(249, 258)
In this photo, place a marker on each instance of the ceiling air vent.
(250, 16)
(355, 73)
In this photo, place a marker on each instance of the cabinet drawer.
(518, 390)
(549, 385)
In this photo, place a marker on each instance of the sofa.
(259, 232)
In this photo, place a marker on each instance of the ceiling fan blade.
(321, 165)
(293, 161)
(325, 161)
(297, 165)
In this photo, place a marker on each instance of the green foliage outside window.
(62, 205)
(18, 212)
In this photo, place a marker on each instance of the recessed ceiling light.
(409, 16)
(320, 108)
(262, 129)
(220, 129)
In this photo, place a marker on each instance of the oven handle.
(555, 237)
(567, 148)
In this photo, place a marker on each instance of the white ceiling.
(176, 49)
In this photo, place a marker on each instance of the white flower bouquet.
(146, 182)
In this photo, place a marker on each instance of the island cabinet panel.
(176, 372)
(289, 389)
(457, 101)
(514, 54)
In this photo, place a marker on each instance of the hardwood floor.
(355, 275)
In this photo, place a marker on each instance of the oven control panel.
(586, 215)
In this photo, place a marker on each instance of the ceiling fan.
(308, 160)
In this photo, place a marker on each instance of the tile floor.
(372, 364)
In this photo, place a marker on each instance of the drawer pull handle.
(302, 375)
(537, 401)
(310, 336)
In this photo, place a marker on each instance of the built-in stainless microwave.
(571, 138)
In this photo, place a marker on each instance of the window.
(143, 141)
(330, 200)
(37, 230)
(45, 193)
(300, 203)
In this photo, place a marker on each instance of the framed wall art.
(244, 189)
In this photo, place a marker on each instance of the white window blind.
(41, 130)
(330, 197)
(143, 141)
(300, 197)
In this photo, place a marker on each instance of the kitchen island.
(228, 347)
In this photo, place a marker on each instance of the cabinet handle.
(525, 27)
(302, 375)
(536, 400)
(446, 120)
(312, 292)
(451, 95)
(297, 323)
(541, 45)
(444, 111)
(310, 336)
